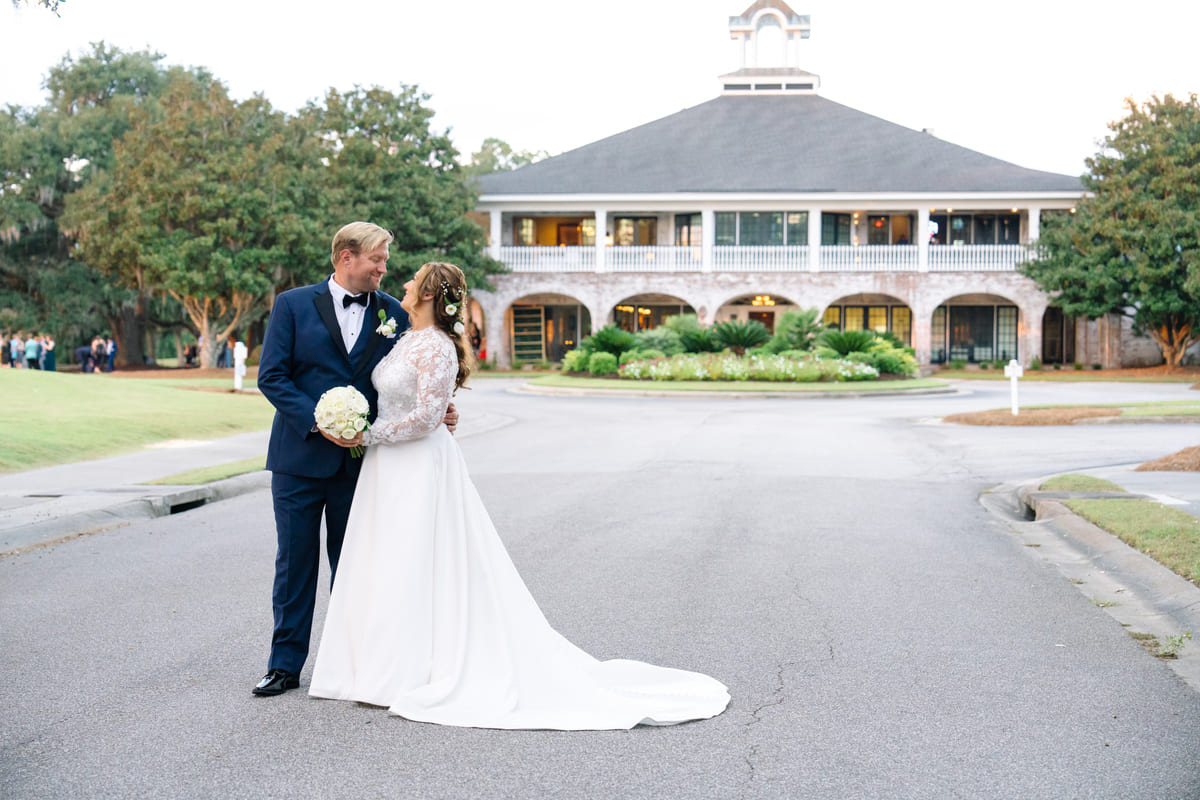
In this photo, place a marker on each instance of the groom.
(319, 337)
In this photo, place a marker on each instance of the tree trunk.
(1174, 341)
(130, 332)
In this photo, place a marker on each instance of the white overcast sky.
(1031, 81)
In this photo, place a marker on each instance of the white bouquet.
(342, 412)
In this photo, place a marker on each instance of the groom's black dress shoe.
(276, 682)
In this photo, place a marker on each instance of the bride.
(428, 616)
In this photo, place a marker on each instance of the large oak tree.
(1133, 247)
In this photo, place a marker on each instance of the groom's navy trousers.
(303, 356)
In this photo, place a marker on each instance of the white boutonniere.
(459, 328)
(451, 310)
(387, 325)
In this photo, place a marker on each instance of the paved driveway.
(883, 636)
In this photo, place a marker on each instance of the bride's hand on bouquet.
(451, 418)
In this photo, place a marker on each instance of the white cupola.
(769, 35)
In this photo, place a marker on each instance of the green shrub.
(737, 335)
(795, 330)
(697, 340)
(1078, 366)
(984, 365)
(681, 322)
(894, 362)
(846, 342)
(957, 363)
(1057, 367)
(640, 355)
(1036, 363)
(576, 360)
(602, 364)
(610, 339)
(1097, 366)
(661, 338)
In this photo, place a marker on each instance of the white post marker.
(1012, 371)
(239, 365)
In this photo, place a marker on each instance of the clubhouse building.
(770, 197)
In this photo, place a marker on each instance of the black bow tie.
(350, 299)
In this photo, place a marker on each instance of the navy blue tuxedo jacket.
(303, 356)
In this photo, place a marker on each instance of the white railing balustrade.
(977, 257)
(549, 259)
(653, 259)
(833, 258)
(760, 259)
(869, 258)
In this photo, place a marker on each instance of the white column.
(1035, 224)
(708, 230)
(921, 234)
(601, 227)
(494, 236)
(814, 240)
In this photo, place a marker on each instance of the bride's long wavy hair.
(448, 287)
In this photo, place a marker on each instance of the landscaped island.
(800, 350)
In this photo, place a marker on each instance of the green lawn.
(1065, 376)
(1079, 483)
(56, 418)
(1169, 536)
(735, 386)
(218, 472)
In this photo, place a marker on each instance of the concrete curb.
(572, 391)
(1163, 589)
(25, 537)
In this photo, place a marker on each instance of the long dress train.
(430, 618)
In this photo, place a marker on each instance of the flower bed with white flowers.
(729, 367)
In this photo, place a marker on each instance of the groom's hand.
(340, 442)
(451, 418)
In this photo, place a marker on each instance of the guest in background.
(16, 351)
(32, 350)
(83, 354)
(4, 357)
(99, 355)
(48, 362)
(110, 350)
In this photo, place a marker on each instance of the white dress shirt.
(349, 318)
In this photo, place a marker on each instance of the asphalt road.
(882, 634)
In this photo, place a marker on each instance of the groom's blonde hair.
(358, 238)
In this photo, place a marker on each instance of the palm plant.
(795, 330)
(846, 342)
(738, 334)
(610, 339)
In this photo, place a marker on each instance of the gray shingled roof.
(774, 143)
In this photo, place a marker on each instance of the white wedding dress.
(430, 618)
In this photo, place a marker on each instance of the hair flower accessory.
(387, 325)
(459, 328)
(451, 309)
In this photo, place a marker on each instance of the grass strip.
(59, 418)
(1169, 536)
(736, 386)
(1080, 376)
(217, 472)
(1079, 483)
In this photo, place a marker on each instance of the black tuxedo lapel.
(370, 323)
(324, 303)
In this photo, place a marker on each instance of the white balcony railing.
(841, 258)
(871, 258)
(760, 259)
(977, 257)
(653, 259)
(549, 259)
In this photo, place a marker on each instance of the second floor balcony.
(824, 258)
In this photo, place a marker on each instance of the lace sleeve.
(435, 362)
